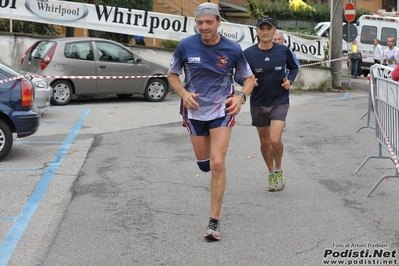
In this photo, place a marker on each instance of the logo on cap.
(269, 21)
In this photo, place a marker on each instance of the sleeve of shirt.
(292, 65)
(243, 69)
(176, 64)
(296, 59)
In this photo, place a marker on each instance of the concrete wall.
(13, 46)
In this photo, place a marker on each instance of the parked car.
(17, 111)
(88, 57)
(43, 92)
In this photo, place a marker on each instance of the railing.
(384, 93)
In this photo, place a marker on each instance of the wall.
(13, 47)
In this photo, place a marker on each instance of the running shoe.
(280, 180)
(213, 231)
(272, 182)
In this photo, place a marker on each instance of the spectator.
(377, 52)
(391, 54)
(355, 58)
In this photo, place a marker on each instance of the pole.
(336, 18)
(349, 44)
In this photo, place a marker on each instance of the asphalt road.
(114, 182)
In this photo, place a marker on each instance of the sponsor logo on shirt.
(194, 60)
(222, 60)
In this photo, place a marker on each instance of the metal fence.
(384, 97)
(295, 24)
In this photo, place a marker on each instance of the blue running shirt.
(208, 71)
(269, 67)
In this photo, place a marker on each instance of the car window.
(111, 52)
(387, 32)
(41, 49)
(368, 34)
(79, 50)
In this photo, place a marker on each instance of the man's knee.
(204, 165)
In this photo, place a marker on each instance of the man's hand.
(234, 104)
(189, 100)
(286, 83)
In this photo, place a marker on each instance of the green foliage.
(280, 9)
(29, 27)
(169, 44)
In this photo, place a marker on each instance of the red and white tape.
(389, 145)
(82, 77)
(132, 77)
(326, 61)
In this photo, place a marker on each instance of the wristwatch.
(244, 97)
(291, 81)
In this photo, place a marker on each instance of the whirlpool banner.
(139, 22)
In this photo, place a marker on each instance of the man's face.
(207, 26)
(278, 38)
(390, 42)
(265, 32)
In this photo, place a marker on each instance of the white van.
(380, 26)
(323, 30)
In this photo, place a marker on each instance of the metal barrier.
(384, 95)
(377, 71)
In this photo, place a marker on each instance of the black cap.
(269, 21)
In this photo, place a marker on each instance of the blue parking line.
(13, 236)
(346, 95)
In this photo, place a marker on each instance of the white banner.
(139, 22)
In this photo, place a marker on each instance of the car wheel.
(62, 92)
(5, 139)
(124, 96)
(156, 90)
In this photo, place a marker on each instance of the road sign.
(350, 12)
(352, 33)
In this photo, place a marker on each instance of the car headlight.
(41, 84)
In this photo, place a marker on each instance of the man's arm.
(187, 97)
(292, 66)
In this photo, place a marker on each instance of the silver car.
(87, 66)
(43, 93)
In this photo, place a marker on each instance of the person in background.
(355, 58)
(208, 104)
(139, 40)
(391, 54)
(270, 99)
(279, 38)
(377, 52)
(395, 74)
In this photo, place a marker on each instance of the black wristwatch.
(291, 81)
(243, 96)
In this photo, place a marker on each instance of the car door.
(117, 61)
(77, 59)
